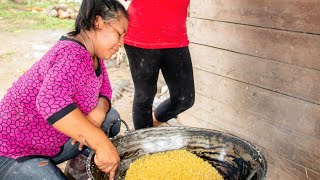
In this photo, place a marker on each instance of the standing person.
(157, 40)
(65, 94)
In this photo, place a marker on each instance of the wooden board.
(292, 15)
(276, 109)
(279, 168)
(286, 47)
(283, 78)
(296, 147)
(284, 169)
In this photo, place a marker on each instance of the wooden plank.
(287, 79)
(279, 168)
(282, 169)
(294, 146)
(294, 15)
(287, 47)
(279, 110)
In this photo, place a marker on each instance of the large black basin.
(233, 157)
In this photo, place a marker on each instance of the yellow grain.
(172, 165)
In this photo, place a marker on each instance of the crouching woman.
(64, 95)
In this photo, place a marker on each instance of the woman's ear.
(98, 22)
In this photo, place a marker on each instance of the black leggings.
(176, 67)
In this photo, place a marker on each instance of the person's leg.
(31, 169)
(144, 67)
(177, 70)
(70, 151)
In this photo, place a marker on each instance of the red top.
(157, 24)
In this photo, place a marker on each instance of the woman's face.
(109, 36)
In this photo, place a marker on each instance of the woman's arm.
(96, 117)
(98, 114)
(78, 127)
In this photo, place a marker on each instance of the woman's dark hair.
(89, 9)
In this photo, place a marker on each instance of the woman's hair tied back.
(90, 9)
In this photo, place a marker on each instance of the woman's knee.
(185, 102)
(111, 125)
(186, 105)
(190, 103)
(112, 115)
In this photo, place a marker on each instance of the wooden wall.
(257, 75)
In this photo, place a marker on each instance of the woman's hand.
(107, 160)
(78, 127)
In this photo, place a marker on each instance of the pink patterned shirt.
(62, 80)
